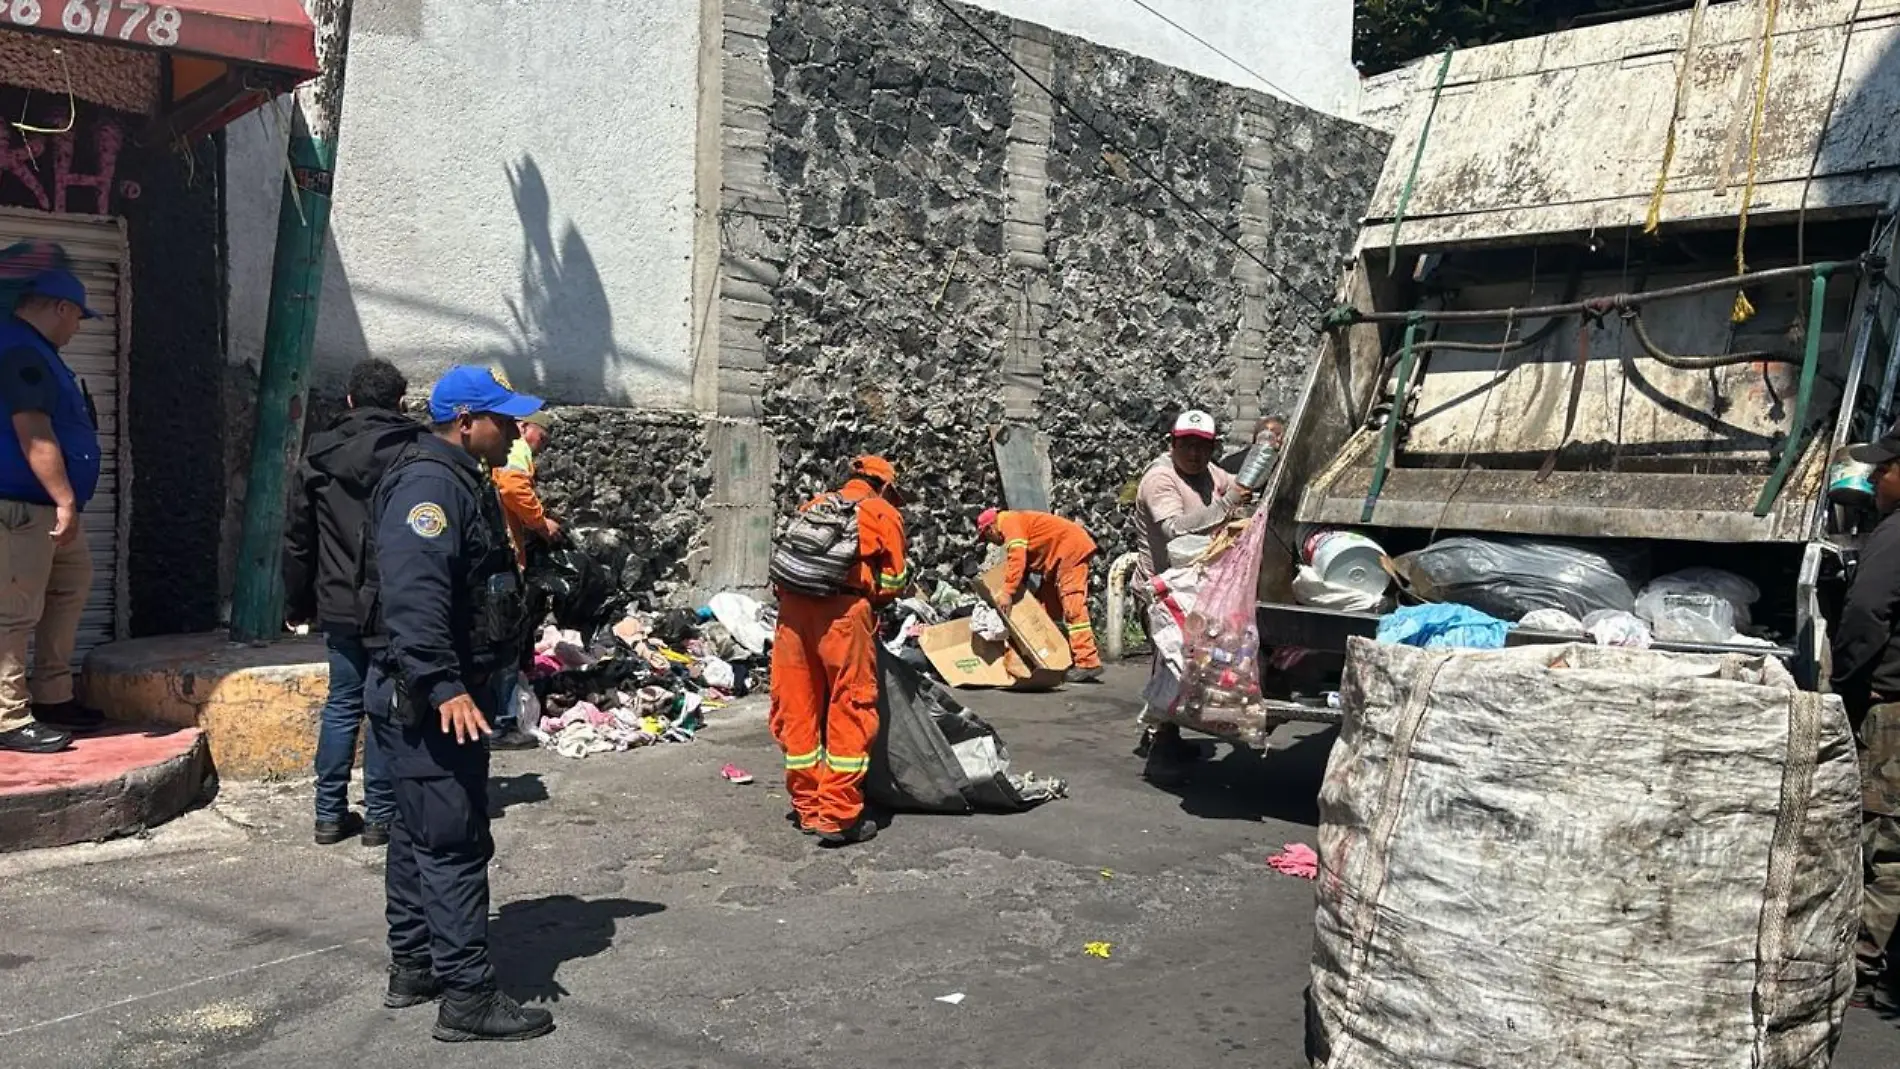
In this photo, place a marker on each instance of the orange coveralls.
(1059, 550)
(824, 672)
(520, 504)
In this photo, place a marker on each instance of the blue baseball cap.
(475, 390)
(62, 286)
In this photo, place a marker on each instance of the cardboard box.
(1042, 641)
(964, 660)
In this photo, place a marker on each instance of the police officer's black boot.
(411, 983)
(471, 1016)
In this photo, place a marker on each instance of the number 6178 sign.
(132, 21)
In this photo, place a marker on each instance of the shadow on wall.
(562, 327)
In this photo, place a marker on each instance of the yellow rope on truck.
(1745, 311)
(1675, 117)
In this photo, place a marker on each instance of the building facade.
(109, 167)
(731, 239)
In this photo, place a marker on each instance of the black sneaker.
(332, 832)
(513, 739)
(69, 716)
(35, 738)
(863, 831)
(1085, 675)
(375, 833)
(488, 1015)
(411, 984)
(791, 817)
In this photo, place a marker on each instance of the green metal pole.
(296, 286)
(296, 289)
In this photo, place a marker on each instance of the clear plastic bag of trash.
(717, 673)
(1614, 628)
(1697, 605)
(1555, 621)
(1510, 578)
(741, 616)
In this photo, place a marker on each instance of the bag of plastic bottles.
(1220, 687)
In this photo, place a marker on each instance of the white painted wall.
(515, 186)
(1302, 47)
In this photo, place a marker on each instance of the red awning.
(225, 57)
(256, 33)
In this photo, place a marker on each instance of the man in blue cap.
(49, 468)
(448, 626)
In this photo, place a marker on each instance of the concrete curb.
(140, 780)
(258, 705)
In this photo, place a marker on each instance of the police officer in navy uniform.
(450, 620)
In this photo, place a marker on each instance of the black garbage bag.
(574, 586)
(676, 626)
(932, 755)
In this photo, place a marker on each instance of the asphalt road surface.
(670, 919)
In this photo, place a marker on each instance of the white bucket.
(1349, 559)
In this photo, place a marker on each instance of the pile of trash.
(904, 622)
(649, 678)
(1468, 592)
(1572, 588)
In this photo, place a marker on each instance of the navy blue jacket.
(439, 547)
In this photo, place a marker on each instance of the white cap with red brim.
(1194, 423)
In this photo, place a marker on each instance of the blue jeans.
(342, 718)
(507, 685)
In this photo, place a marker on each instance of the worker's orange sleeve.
(519, 500)
(881, 544)
(1015, 527)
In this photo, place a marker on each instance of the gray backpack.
(819, 548)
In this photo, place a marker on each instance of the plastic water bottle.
(1259, 465)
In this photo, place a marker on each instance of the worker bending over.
(841, 556)
(1058, 550)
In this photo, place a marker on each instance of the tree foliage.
(1389, 33)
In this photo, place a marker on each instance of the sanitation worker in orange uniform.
(824, 667)
(1059, 550)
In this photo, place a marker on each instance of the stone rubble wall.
(942, 246)
(644, 474)
(904, 272)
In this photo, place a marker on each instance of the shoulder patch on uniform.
(428, 520)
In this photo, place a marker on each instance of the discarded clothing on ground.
(1296, 859)
(744, 619)
(625, 687)
(933, 755)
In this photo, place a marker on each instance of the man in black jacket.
(324, 574)
(1867, 677)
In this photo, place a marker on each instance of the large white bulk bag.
(1574, 857)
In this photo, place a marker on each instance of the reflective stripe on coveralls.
(1059, 550)
(824, 673)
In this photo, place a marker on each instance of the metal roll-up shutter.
(93, 248)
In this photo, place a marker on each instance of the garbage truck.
(1627, 287)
